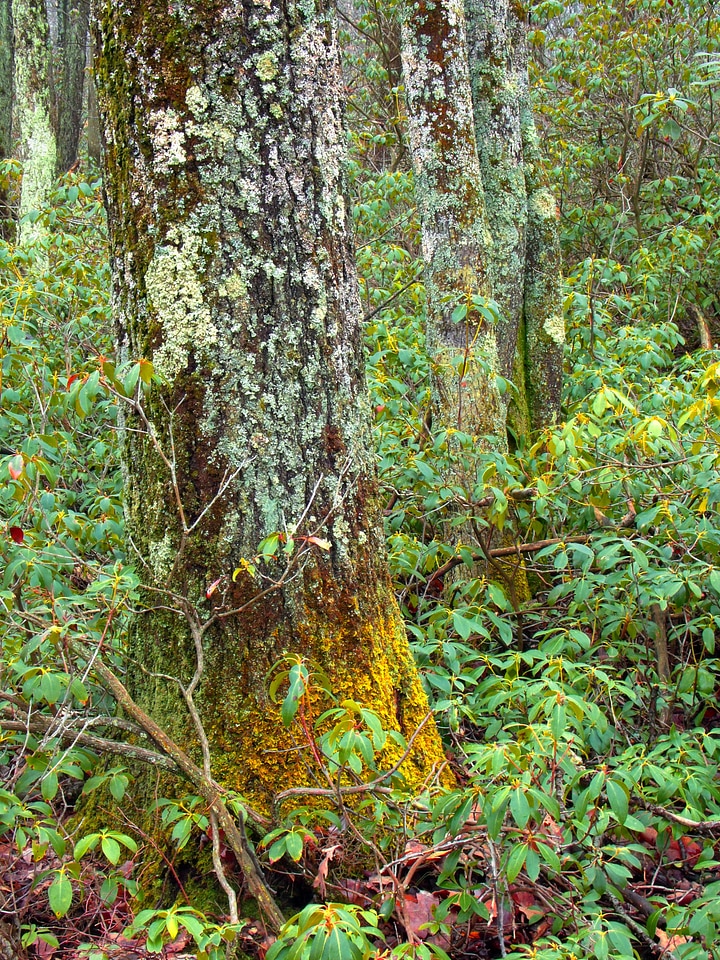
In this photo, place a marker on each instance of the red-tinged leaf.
(354, 891)
(323, 544)
(71, 379)
(213, 587)
(527, 905)
(17, 534)
(16, 466)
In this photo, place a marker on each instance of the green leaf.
(118, 785)
(111, 848)
(109, 890)
(88, 842)
(294, 846)
(463, 626)
(618, 798)
(60, 895)
(516, 861)
(49, 785)
(519, 807)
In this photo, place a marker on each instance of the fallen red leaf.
(417, 911)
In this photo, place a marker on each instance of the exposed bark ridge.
(456, 235)
(234, 274)
(33, 107)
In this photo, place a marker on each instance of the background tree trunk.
(234, 273)
(487, 216)
(33, 98)
(7, 83)
(456, 238)
(73, 19)
(94, 147)
(521, 210)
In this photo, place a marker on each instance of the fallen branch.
(511, 551)
(102, 745)
(209, 791)
(700, 826)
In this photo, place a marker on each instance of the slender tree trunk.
(94, 148)
(544, 333)
(234, 274)
(7, 83)
(456, 236)
(495, 69)
(33, 100)
(521, 210)
(73, 42)
(487, 216)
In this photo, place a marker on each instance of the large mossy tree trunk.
(7, 84)
(234, 274)
(73, 23)
(33, 107)
(484, 171)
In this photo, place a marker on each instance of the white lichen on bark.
(456, 238)
(37, 149)
(482, 201)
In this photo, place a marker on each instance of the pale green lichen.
(542, 205)
(168, 140)
(162, 556)
(554, 327)
(38, 170)
(175, 285)
(267, 68)
(197, 101)
(234, 287)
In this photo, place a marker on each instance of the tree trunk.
(33, 108)
(73, 42)
(234, 274)
(496, 69)
(94, 148)
(543, 294)
(521, 210)
(456, 238)
(480, 187)
(7, 227)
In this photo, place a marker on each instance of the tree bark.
(480, 188)
(521, 210)
(7, 83)
(234, 274)
(33, 100)
(456, 236)
(73, 44)
(94, 146)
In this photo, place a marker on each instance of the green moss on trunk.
(234, 274)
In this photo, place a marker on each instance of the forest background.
(579, 717)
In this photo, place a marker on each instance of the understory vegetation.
(563, 600)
